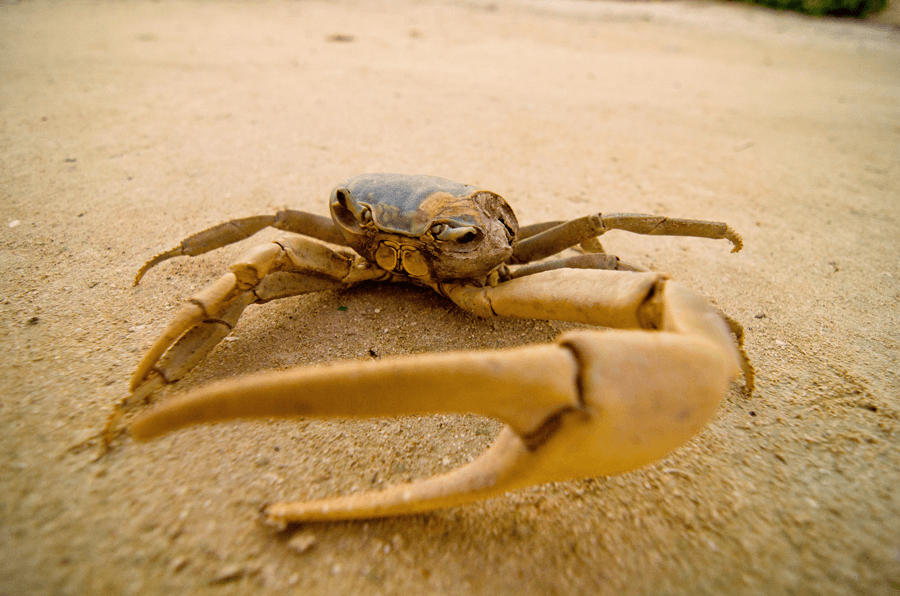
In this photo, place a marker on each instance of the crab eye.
(461, 235)
(365, 215)
(467, 236)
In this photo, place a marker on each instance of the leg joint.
(651, 310)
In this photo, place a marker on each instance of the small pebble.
(300, 543)
(14, 223)
(228, 574)
(178, 563)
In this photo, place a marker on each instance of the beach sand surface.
(125, 127)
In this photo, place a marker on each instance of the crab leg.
(539, 242)
(584, 261)
(236, 230)
(594, 403)
(211, 313)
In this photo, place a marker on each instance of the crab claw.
(595, 403)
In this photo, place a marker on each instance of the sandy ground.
(125, 127)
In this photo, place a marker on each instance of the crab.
(595, 402)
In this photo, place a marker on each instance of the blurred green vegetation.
(835, 8)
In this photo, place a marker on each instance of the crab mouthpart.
(401, 258)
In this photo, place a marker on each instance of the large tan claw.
(626, 419)
(595, 403)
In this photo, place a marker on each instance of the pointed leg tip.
(750, 379)
(272, 520)
(142, 386)
(140, 275)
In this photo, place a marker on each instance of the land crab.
(593, 403)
